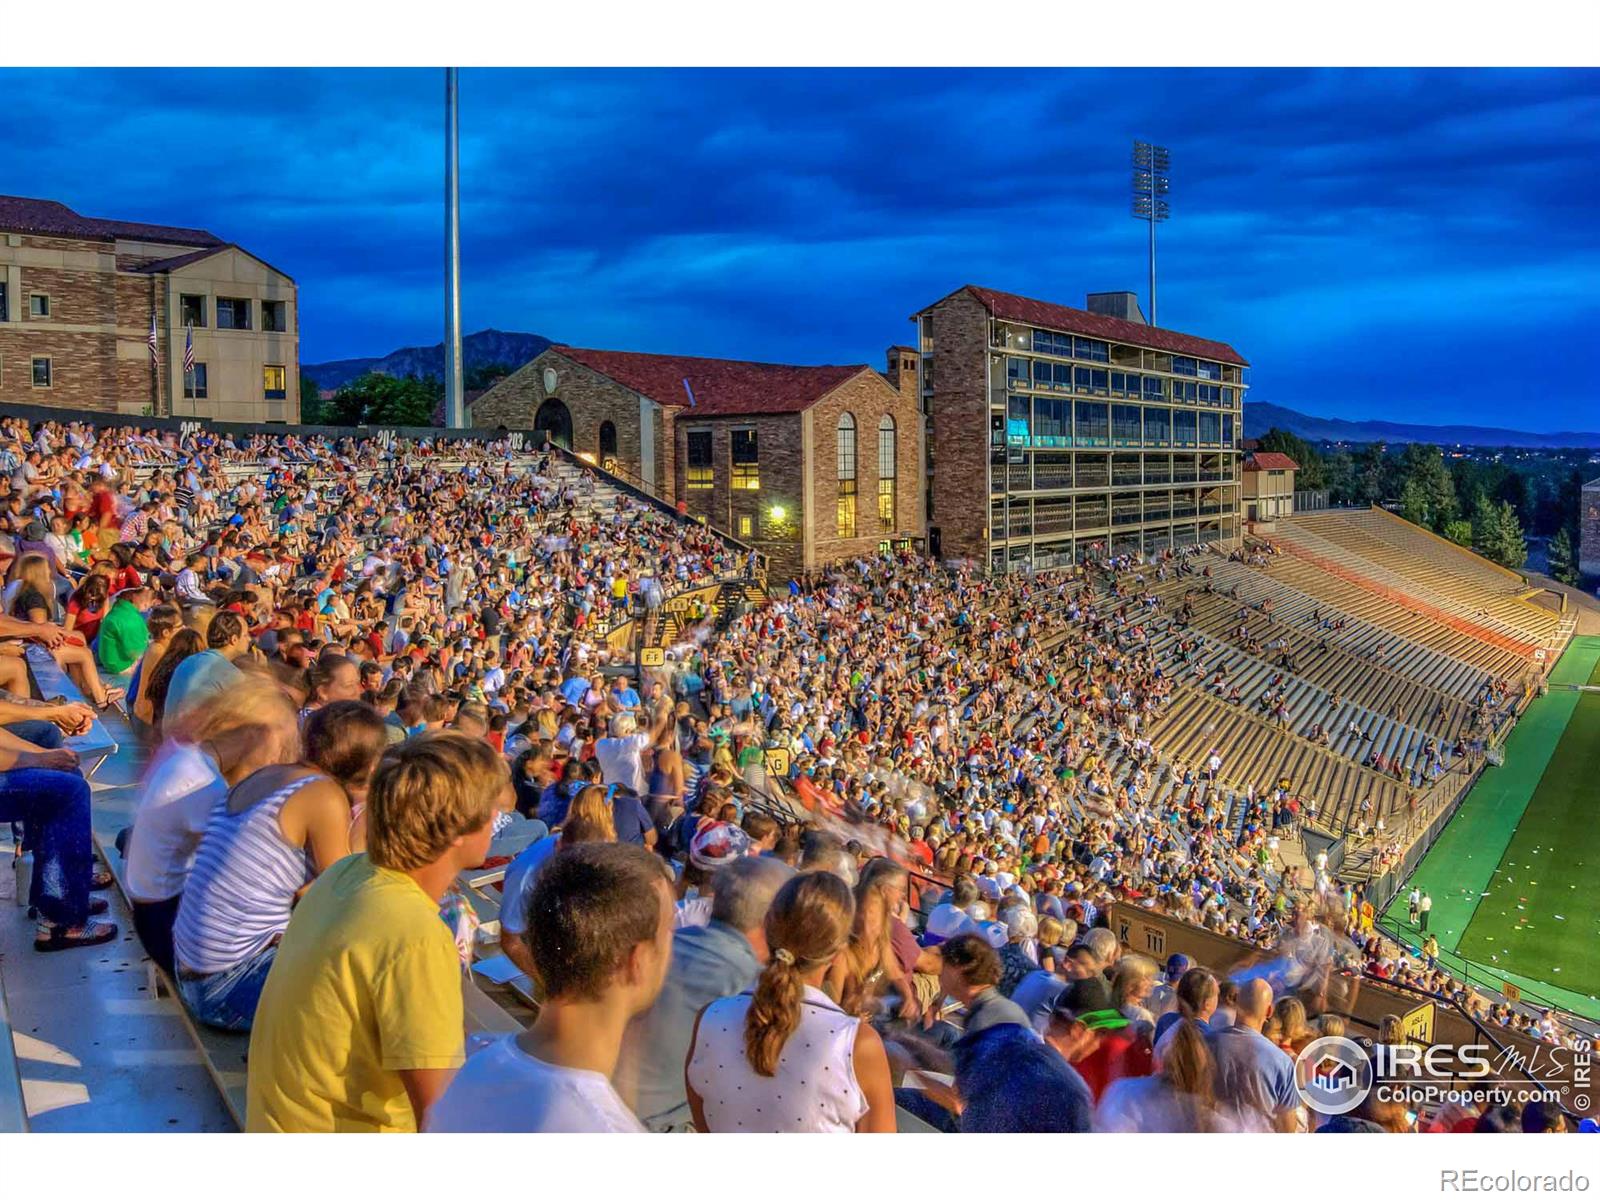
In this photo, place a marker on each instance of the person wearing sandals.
(265, 842)
(43, 789)
(34, 602)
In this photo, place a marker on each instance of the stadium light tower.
(1151, 183)
(454, 414)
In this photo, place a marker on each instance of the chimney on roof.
(902, 370)
(1122, 305)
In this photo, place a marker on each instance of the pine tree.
(1506, 544)
(1563, 567)
(1459, 531)
(1414, 503)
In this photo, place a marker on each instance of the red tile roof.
(722, 387)
(24, 214)
(1268, 460)
(1112, 329)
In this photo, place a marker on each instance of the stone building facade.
(809, 465)
(77, 297)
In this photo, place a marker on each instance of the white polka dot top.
(814, 1089)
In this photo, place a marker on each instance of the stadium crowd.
(849, 852)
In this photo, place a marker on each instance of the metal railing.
(623, 479)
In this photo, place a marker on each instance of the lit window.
(699, 473)
(746, 461)
(886, 472)
(274, 382)
(746, 525)
(846, 516)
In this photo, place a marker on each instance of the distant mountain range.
(1260, 416)
(481, 349)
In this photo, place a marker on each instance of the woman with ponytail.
(783, 1057)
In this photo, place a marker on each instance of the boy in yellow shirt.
(360, 1025)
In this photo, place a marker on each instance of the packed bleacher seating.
(892, 806)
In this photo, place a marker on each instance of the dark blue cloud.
(1375, 242)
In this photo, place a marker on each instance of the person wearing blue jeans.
(41, 788)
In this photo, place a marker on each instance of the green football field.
(1513, 878)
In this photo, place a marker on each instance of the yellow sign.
(1417, 1025)
(778, 761)
(652, 656)
(1511, 992)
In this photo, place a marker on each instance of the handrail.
(647, 492)
(1481, 977)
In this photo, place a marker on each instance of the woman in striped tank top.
(266, 841)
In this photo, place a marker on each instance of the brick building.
(1053, 429)
(76, 299)
(1589, 530)
(808, 464)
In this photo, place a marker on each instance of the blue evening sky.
(1418, 245)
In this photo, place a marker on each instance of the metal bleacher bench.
(222, 1053)
(93, 747)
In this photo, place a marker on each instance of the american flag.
(188, 350)
(154, 355)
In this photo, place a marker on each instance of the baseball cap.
(1177, 964)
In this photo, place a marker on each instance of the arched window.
(886, 472)
(847, 476)
(608, 444)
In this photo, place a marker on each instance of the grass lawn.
(1540, 917)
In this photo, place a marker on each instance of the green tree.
(311, 403)
(1370, 482)
(379, 399)
(1414, 504)
(1423, 471)
(1497, 535)
(1313, 473)
(485, 375)
(1563, 561)
(1459, 531)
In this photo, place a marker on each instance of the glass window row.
(1048, 422)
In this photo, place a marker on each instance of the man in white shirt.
(600, 931)
(621, 755)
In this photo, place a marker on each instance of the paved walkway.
(96, 1049)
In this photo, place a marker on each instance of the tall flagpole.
(454, 416)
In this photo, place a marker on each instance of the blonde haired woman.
(782, 1057)
(34, 600)
(231, 735)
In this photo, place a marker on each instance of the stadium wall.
(112, 420)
